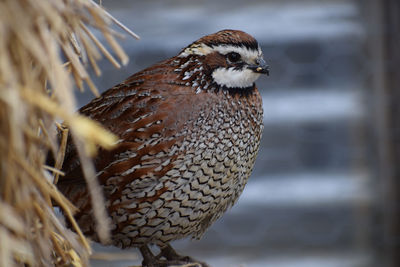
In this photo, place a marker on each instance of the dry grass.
(36, 88)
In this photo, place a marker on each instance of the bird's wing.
(146, 112)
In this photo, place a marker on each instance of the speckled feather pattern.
(187, 148)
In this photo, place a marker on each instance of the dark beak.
(260, 67)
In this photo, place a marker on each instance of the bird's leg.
(171, 255)
(149, 260)
(171, 259)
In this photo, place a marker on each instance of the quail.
(189, 132)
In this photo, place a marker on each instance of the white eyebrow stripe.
(201, 49)
(246, 53)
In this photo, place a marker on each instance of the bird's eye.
(233, 57)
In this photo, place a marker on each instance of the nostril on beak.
(261, 62)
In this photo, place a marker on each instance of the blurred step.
(307, 189)
(311, 106)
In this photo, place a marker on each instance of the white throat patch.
(232, 78)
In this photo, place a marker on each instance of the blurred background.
(325, 189)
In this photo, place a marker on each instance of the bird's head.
(232, 59)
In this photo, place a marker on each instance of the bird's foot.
(168, 258)
(169, 253)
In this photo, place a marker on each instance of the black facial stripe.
(248, 45)
(239, 66)
(241, 91)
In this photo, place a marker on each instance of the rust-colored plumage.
(189, 130)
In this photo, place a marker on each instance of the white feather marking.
(232, 78)
(248, 55)
(196, 49)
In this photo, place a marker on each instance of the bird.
(189, 130)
